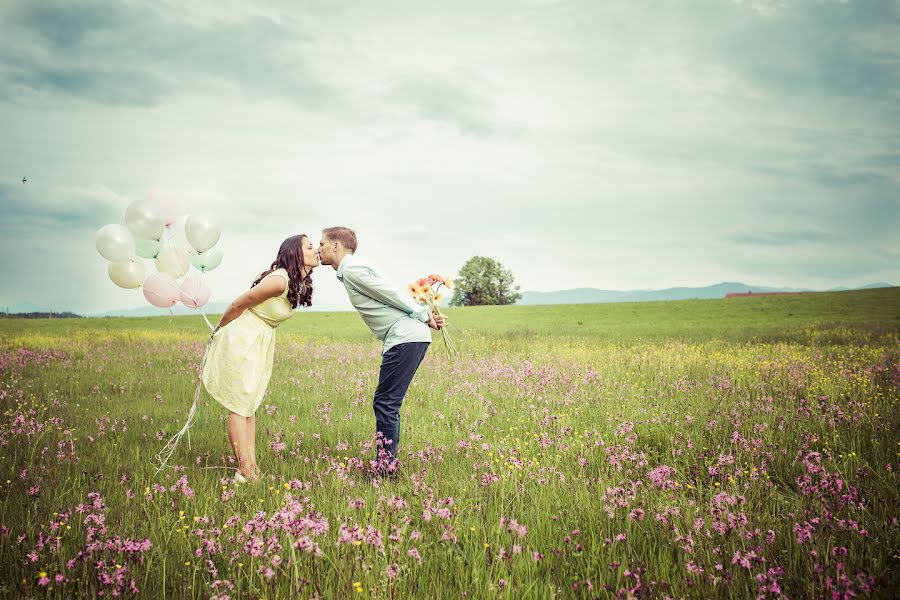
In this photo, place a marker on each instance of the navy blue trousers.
(398, 366)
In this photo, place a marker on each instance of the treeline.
(42, 315)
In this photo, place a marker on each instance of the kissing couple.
(238, 363)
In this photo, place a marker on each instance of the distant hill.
(573, 296)
(42, 315)
(871, 286)
(213, 308)
(26, 307)
(592, 295)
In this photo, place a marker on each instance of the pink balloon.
(161, 290)
(166, 205)
(194, 291)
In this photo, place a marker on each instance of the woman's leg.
(237, 435)
(250, 434)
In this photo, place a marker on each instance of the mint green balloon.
(146, 248)
(209, 260)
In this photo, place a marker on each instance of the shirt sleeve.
(374, 286)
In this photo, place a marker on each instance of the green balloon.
(209, 260)
(146, 248)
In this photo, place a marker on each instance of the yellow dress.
(239, 361)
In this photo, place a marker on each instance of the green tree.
(483, 281)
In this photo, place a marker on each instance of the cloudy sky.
(615, 145)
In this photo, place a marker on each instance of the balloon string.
(208, 324)
(198, 306)
(168, 450)
(166, 453)
(212, 329)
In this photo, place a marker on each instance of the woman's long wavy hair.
(290, 258)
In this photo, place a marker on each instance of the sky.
(616, 145)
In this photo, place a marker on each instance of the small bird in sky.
(24, 179)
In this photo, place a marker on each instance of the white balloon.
(146, 248)
(173, 261)
(143, 220)
(209, 260)
(179, 238)
(127, 274)
(201, 232)
(115, 243)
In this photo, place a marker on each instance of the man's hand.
(437, 321)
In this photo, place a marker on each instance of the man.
(402, 327)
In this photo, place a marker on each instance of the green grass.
(549, 415)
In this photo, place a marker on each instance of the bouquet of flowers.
(427, 291)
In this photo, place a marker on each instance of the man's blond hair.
(344, 235)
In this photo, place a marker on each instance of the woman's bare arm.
(269, 287)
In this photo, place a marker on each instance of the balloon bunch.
(152, 231)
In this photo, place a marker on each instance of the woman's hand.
(269, 287)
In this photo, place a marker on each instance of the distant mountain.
(152, 311)
(873, 286)
(213, 308)
(25, 307)
(42, 315)
(592, 295)
(573, 296)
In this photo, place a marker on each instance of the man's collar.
(344, 262)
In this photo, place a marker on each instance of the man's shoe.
(379, 475)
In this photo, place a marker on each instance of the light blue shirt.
(391, 318)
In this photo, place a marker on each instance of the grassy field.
(717, 448)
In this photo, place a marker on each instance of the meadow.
(733, 448)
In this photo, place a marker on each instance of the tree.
(483, 281)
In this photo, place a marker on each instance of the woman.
(239, 361)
